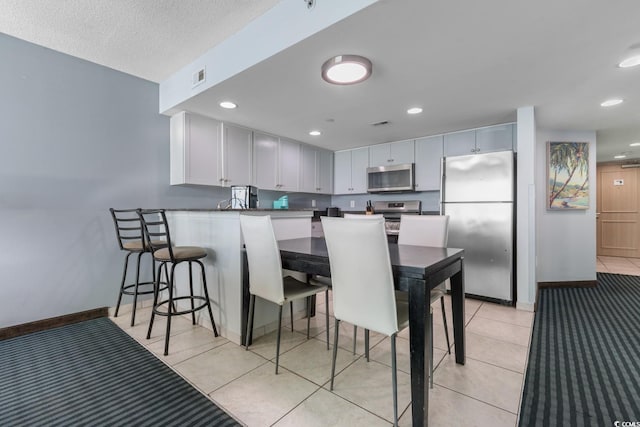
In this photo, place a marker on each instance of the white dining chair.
(265, 275)
(428, 230)
(363, 289)
(321, 280)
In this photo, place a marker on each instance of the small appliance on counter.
(333, 211)
(244, 197)
(281, 203)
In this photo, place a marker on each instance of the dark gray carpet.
(94, 374)
(584, 363)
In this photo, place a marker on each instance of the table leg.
(457, 309)
(420, 337)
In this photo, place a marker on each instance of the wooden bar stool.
(131, 239)
(156, 229)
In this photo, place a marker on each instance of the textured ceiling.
(151, 39)
(467, 64)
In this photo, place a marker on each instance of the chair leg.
(394, 380)
(366, 344)
(431, 351)
(446, 329)
(326, 302)
(208, 302)
(355, 336)
(308, 315)
(291, 311)
(278, 339)
(135, 290)
(124, 279)
(156, 294)
(335, 352)
(169, 311)
(252, 302)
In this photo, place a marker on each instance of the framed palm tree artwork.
(567, 175)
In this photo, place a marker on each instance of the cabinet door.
(308, 169)
(265, 165)
(460, 143)
(324, 167)
(342, 172)
(402, 152)
(494, 138)
(289, 165)
(359, 165)
(236, 155)
(380, 155)
(428, 163)
(194, 150)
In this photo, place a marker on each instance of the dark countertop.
(237, 210)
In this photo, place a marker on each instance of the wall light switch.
(352, 203)
(313, 203)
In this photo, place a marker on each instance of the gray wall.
(565, 240)
(75, 139)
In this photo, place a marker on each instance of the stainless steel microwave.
(390, 178)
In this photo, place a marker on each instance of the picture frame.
(567, 176)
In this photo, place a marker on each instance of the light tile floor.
(484, 392)
(618, 265)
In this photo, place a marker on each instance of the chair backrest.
(363, 291)
(363, 216)
(424, 230)
(156, 230)
(128, 226)
(263, 256)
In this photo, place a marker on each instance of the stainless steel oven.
(392, 211)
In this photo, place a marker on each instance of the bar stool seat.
(156, 229)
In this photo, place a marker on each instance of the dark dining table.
(416, 270)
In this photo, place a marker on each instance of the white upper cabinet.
(276, 164)
(195, 144)
(350, 171)
(428, 163)
(236, 154)
(316, 170)
(483, 140)
(391, 153)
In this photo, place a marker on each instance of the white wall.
(566, 240)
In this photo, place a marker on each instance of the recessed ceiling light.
(315, 133)
(611, 102)
(346, 69)
(634, 144)
(414, 110)
(228, 105)
(620, 156)
(632, 61)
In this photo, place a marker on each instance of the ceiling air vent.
(382, 123)
(198, 77)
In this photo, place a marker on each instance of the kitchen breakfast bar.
(416, 270)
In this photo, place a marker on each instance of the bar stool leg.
(169, 311)
(124, 278)
(156, 294)
(135, 290)
(193, 310)
(208, 301)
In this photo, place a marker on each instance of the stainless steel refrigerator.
(478, 195)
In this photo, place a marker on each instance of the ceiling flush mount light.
(228, 105)
(632, 61)
(414, 110)
(635, 144)
(611, 102)
(346, 69)
(315, 133)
